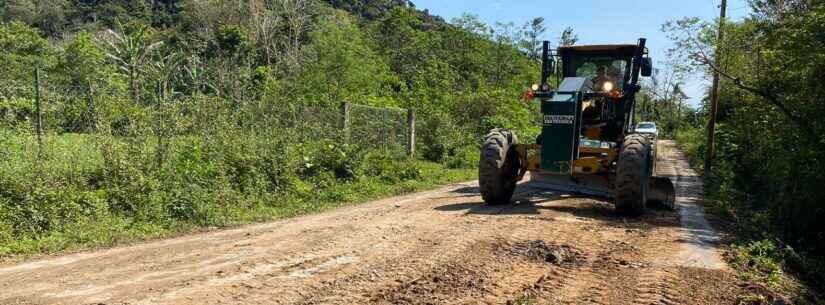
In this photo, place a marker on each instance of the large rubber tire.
(498, 167)
(633, 175)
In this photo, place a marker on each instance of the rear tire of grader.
(498, 167)
(633, 175)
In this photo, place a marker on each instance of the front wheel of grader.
(633, 173)
(498, 167)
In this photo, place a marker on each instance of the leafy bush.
(466, 157)
(15, 111)
(692, 142)
(340, 160)
(760, 260)
(388, 168)
(441, 137)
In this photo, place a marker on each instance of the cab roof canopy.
(612, 49)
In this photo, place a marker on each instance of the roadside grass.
(83, 192)
(692, 143)
(771, 269)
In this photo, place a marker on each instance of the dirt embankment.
(437, 247)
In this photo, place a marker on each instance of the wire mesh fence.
(384, 128)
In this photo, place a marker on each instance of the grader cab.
(587, 144)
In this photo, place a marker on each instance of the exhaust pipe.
(662, 192)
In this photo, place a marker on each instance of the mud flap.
(661, 192)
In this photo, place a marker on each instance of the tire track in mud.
(391, 245)
(613, 273)
(455, 255)
(481, 258)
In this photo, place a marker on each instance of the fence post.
(411, 132)
(345, 122)
(39, 117)
(91, 124)
(384, 135)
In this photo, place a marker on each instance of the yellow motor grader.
(587, 144)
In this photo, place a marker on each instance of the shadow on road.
(531, 200)
(466, 190)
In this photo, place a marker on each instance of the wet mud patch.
(440, 285)
(620, 254)
(559, 255)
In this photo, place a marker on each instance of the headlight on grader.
(607, 87)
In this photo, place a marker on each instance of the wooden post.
(384, 129)
(714, 96)
(91, 117)
(345, 122)
(411, 132)
(160, 151)
(39, 117)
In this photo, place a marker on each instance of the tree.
(340, 65)
(398, 39)
(532, 42)
(696, 48)
(369, 10)
(505, 56)
(81, 60)
(47, 15)
(23, 50)
(296, 16)
(568, 37)
(265, 34)
(129, 49)
(472, 24)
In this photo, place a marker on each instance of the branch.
(772, 98)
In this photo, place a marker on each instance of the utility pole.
(714, 95)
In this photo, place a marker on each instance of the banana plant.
(130, 50)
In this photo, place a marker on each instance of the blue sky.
(596, 21)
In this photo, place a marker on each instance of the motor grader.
(587, 145)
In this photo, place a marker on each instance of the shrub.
(326, 156)
(466, 157)
(388, 168)
(15, 111)
(441, 137)
(759, 260)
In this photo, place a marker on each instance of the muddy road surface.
(436, 247)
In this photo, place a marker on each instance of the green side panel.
(559, 137)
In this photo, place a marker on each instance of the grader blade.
(662, 192)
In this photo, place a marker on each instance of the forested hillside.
(149, 117)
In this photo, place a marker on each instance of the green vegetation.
(96, 196)
(769, 168)
(161, 117)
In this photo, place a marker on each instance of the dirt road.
(437, 247)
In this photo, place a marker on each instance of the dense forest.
(124, 119)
